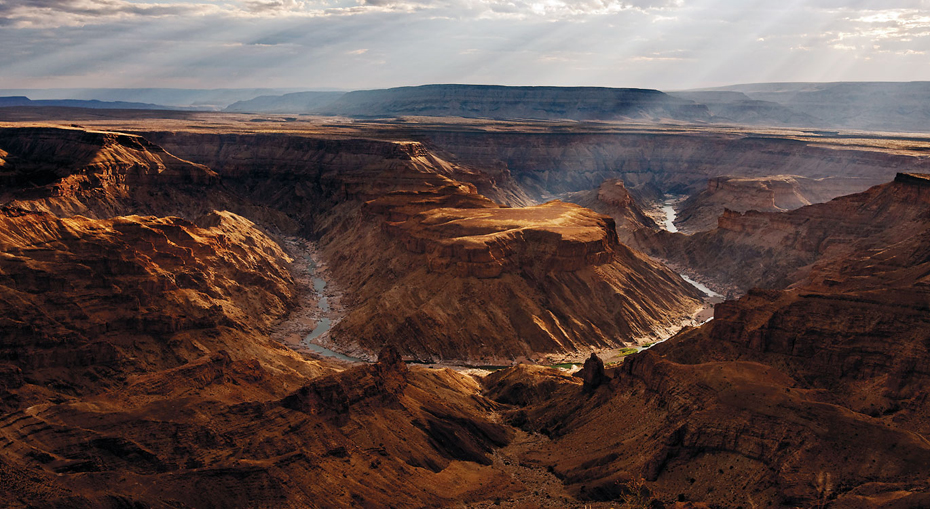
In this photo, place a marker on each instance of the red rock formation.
(613, 199)
(71, 171)
(410, 240)
(764, 194)
(299, 172)
(593, 373)
(88, 293)
(135, 369)
(458, 277)
(370, 435)
(68, 172)
(485, 242)
(774, 250)
(798, 397)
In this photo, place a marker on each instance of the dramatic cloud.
(51, 13)
(54, 13)
(668, 44)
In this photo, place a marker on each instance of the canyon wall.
(457, 276)
(799, 397)
(650, 164)
(774, 250)
(777, 193)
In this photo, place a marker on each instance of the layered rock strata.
(775, 250)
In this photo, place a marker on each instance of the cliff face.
(764, 194)
(69, 172)
(299, 173)
(458, 277)
(454, 274)
(719, 433)
(785, 398)
(552, 163)
(219, 432)
(488, 241)
(135, 366)
(107, 295)
(613, 199)
(774, 250)
(97, 174)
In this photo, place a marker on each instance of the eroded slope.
(776, 193)
(452, 273)
(774, 250)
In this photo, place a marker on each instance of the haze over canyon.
(466, 296)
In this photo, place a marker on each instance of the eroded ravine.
(307, 327)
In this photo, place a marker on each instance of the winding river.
(668, 207)
(325, 323)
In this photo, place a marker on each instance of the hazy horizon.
(297, 89)
(369, 44)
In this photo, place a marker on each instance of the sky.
(363, 44)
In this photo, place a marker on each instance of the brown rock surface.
(368, 436)
(135, 367)
(774, 250)
(72, 171)
(68, 172)
(592, 374)
(454, 274)
(135, 370)
(465, 279)
(613, 199)
(812, 395)
(764, 194)
(118, 295)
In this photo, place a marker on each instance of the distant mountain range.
(845, 105)
(877, 106)
(499, 102)
(173, 98)
(13, 101)
(298, 102)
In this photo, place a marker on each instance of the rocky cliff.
(454, 274)
(136, 367)
(230, 433)
(571, 159)
(774, 250)
(296, 172)
(84, 296)
(460, 278)
(800, 397)
(68, 172)
(613, 199)
(776, 193)
(806, 396)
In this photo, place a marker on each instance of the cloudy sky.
(353, 44)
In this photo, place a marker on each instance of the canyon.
(151, 267)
